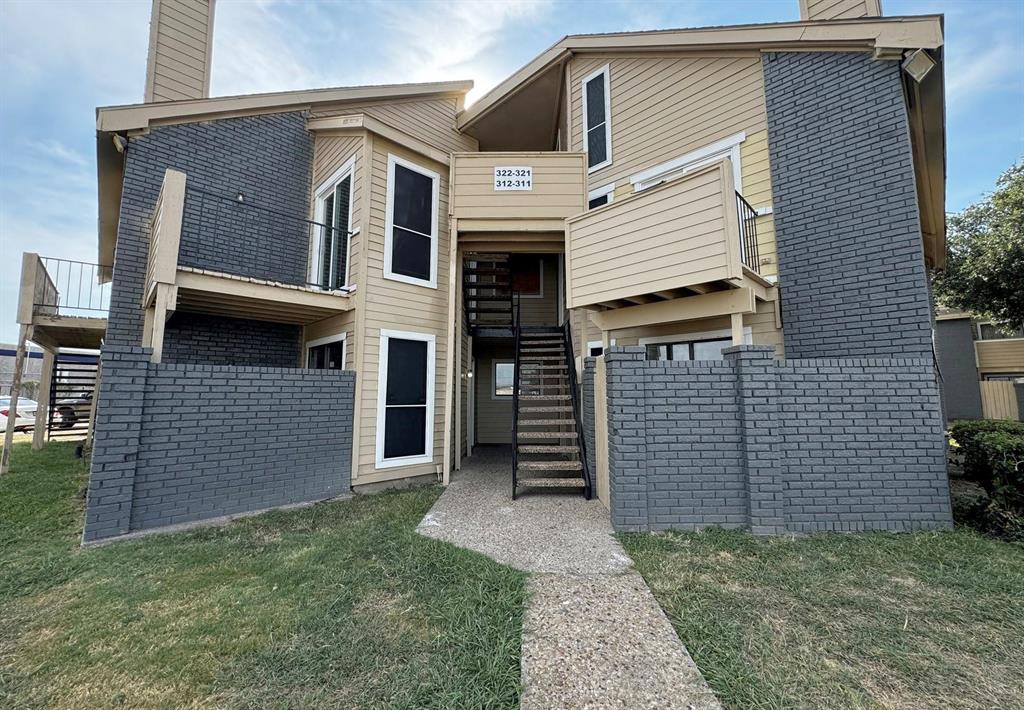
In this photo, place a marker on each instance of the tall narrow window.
(326, 353)
(405, 399)
(597, 128)
(410, 249)
(330, 233)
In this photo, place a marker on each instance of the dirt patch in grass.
(340, 604)
(845, 621)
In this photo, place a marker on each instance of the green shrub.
(1004, 454)
(977, 463)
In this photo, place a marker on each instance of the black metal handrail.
(70, 288)
(516, 314)
(748, 234)
(237, 219)
(570, 361)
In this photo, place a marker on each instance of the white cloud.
(979, 71)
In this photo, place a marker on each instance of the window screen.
(412, 228)
(405, 418)
(597, 121)
(333, 245)
(695, 350)
(598, 202)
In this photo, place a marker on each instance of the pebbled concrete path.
(593, 634)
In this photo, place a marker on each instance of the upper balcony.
(691, 235)
(517, 191)
(216, 254)
(63, 302)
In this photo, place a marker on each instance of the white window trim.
(606, 70)
(494, 380)
(608, 190)
(677, 167)
(327, 340)
(748, 337)
(327, 186)
(394, 160)
(591, 344)
(382, 381)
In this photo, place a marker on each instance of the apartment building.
(681, 272)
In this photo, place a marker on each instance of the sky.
(60, 59)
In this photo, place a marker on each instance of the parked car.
(73, 409)
(26, 418)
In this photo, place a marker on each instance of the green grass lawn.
(929, 620)
(337, 605)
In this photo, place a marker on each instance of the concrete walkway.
(593, 634)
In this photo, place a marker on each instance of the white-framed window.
(503, 379)
(597, 119)
(405, 399)
(327, 353)
(692, 346)
(410, 229)
(595, 348)
(331, 238)
(677, 167)
(601, 196)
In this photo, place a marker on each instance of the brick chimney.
(180, 49)
(839, 9)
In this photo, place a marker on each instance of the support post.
(737, 329)
(43, 400)
(459, 380)
(449, 387)
(12, 412)
(166, 302)
(92, 407)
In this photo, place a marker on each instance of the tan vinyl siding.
(1000, 356)
(674, 235)
(395, 305)
(430, 120)
(493, 416)
(663, 107)
(838, 9)
(179, 50)
(329, 154)
(558, 186)
(755, 171)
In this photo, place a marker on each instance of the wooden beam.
(12, 411)
(163, 306)
(641, 300)
(43, 400)
(736, 321)
(710, 305)
(526, 225)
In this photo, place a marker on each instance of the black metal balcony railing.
(748, 234)
(70, 288)
(231, 235)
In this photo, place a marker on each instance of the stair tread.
(547, 435)
(536, 397)
(551, 482)
(542, 358)
(547, 422)
(545, 410)
(551, 465)
(547, 449)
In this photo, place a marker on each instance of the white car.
(26, 414)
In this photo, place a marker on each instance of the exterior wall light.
(918, 63)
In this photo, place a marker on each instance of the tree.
(985, 255)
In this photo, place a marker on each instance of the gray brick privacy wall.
(266, 158)
(774, 446)
(851, 266)
(214, 340)
(954, 352)
(587, 412)
(180, 442)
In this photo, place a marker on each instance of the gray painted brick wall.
(587, 412)
(181, 442)
(214, 340)
(851, 267)
(799, 445)
(954, 352)
(266, 158)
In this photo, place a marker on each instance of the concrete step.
(574, 482)
(547, 435)
(550, 466)
(547, 449)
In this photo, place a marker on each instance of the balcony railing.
(69, 288)
(748, 234)
(266, 243)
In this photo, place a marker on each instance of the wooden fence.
(999, 400)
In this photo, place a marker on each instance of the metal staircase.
(487, 291)
(548, 447)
